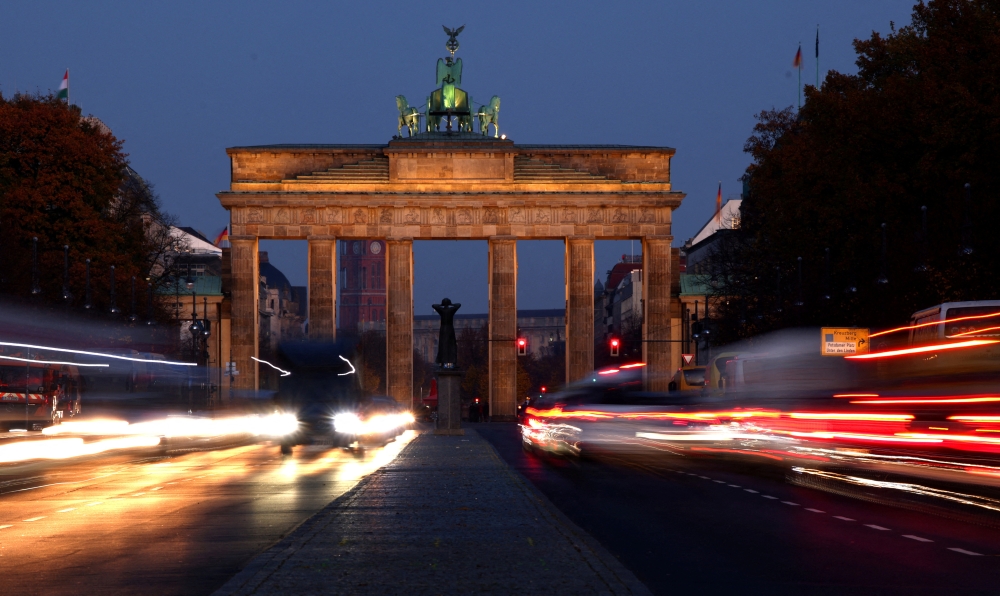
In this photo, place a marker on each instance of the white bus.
(956, 320)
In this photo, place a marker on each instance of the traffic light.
(522, 346)
(615, 344)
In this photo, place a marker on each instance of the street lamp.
(66, 295)
(114, 306)
(88, 303)
(132, 318)
(35, 288)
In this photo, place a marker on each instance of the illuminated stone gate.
(443, 185)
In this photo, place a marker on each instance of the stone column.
(322, 288)
(245, 320)
(399, 320)
(503, 327)
(579, 274)
(656, 318)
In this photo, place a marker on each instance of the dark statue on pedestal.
(447, 355)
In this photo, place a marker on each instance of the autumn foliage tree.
(65, 180)
(895, 144)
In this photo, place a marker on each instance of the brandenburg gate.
(443, 184)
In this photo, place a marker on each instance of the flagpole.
(817, 55)
(67, 86)
(800, 86)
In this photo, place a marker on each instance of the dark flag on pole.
(797, 63)
(817, 56)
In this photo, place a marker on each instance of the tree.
(919, 121)
(65, 180)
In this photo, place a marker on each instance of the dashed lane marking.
(34, 519)
(735, 485)
(769, 497)
(964, 552)
(138, 494)
(157, 488)
(704, 477)
(917, 538)
(790, 503)
(874, 527)
(171, 483)
(720, 481)
(67, 510)
(815, 510)
(4, 527)
(750, 490)
(94, 503)
(842, 517)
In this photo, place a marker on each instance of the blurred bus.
(35, 395)
(955, 320)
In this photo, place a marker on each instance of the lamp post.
(66, 295)
(88, 303)
(882, 279)
(36, 289)
(114, 306)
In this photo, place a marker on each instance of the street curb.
(266, 562)
(591, 550)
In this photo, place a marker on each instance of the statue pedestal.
(449, 420)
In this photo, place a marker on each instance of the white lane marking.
(750, 490)
(34, 519)
(917, 538)
(5, 526)
(138, 494)
(67, 510)
(815, 510)
(171, 483)
(157, 488)
(874, 527)
(95, 503)
(965, 552)
(735, 485)
(769, 497)
(843, 518)
(720, 481)
(790, 503)
(704, 477)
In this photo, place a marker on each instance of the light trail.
(924, 349)
(284, 373)
(928, 400)
(99, 354)
(52, 362)
(944, 322)
(853, 417)
(351, 372)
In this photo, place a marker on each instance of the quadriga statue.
(409, 116)
(490, 114)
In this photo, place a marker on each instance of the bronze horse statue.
(409, 116)
(490, 114)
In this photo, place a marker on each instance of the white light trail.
(284, 373)
(51, 361)
(348, 364)
(99, 354)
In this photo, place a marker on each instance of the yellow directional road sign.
(843, 341)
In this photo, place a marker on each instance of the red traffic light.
(522, 346)
(544, 389)
(615, 342)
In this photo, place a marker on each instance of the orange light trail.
(923, 349)
(846, 416)
(928, 400)
(868, 437)
(976, 418)
(975, 331)
(946, 321)
(608, 372)
(855, 394)
(635, 365)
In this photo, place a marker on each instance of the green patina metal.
(449, 101)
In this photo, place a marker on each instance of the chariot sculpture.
(449, 101)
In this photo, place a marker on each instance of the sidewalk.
(447, 516)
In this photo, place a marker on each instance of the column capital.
(580, 238)
(242, 239)
(399, 239)
(321, 238)
(660, 238)
(502, 238)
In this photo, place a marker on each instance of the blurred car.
(373, 423)
(689, 378)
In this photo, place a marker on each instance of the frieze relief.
(595, 215)
(307, 216)
(647, 216)
(620, 215)
(464, 216)
(385, 217)
(569, 215)
(491, 216)
(541, 216)
(412, 216)
(255, 215)
(333, 215)
(360, 216)
(438, 216)
(515, 215)
(282, 216)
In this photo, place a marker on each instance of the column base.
(449, 420)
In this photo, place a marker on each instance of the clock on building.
(375, 247)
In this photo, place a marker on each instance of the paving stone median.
(447, 516)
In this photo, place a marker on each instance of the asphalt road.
(143, 522)
(704, 526)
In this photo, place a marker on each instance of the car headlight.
(347, 423)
